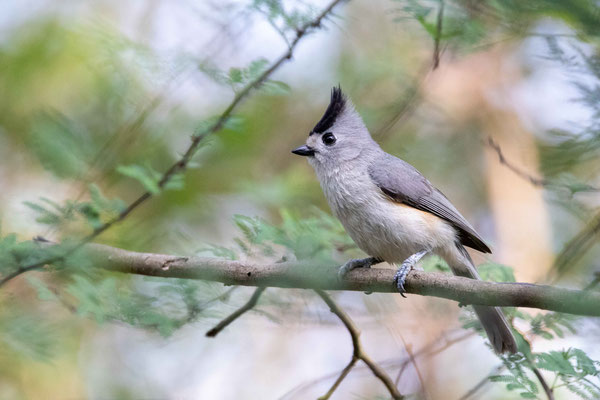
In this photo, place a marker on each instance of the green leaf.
(28, 335)
(45, 216)
(555, 361)
(42, 290)
(102, 203)
(527, 395)
(147, 177)
(276, 88)
(58, 147)
(235, 75)
(91, 214)
(496, 272)
(256, 68)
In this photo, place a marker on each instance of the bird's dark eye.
(328, 139)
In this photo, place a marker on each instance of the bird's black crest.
(335, 108)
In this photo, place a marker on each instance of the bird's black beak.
(304, 151)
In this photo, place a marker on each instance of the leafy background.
(99, 98)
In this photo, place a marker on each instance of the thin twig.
(340, 378)
(427, 350)
(535, 181)
(237, 313)
(438, 36)
(412, 360)
(482, 382)
(181, 164)
(577, 247)
(358, 352)
(543, 382)
(430, 350)
(540, 182)
(594, 282)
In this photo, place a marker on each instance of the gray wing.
(402, 183)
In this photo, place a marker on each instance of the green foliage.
(572, 369)
(238, 78)
(569, 154)
(285, 22)
(145, 175)
(551, 325)
(312, 238)
(146, 303)
(59, 147)
(97, 210)
(15, 254)
(25, 334)
(494, 272)
(458, 25)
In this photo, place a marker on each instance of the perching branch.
(237, 313)
(181, 164)
(324, 277)
(358, 352)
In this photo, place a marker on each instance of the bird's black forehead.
(335, 108)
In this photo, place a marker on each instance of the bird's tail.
(492, 318)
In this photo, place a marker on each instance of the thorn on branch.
(358, 352)
(237, 313)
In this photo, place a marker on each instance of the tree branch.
(181, 164)
(314, 276)
(535, 181)
(358, 353)
(237, 313)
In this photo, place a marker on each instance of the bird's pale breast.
(380, 226)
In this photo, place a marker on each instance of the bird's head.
(339, 136)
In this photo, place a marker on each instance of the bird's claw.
(356, 263)
(405, 268)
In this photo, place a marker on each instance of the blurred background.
(98, 98)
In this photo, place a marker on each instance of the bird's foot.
(405, 268)
(357, 263)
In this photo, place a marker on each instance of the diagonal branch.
(438, 36)
(484, 381)
(181, 164)
(577, 247)
(535, 181)
(237, 313)
(358, 352)
(549, 392)
(432, 348)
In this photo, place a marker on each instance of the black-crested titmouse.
(389, 209)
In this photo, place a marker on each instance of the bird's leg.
(405, 268)
(357, 263)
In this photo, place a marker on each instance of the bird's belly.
(393, 231)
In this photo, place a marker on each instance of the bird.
(390, 210)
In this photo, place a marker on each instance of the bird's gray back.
(404, 184)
